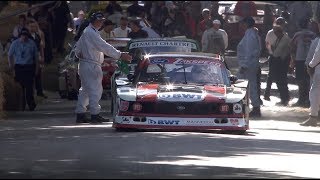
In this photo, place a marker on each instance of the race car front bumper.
(180, 123)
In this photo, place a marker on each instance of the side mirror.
(130, 77)
(233, 79)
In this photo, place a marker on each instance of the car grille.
(186, 108)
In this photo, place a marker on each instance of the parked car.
(69, 81)
(181, 91)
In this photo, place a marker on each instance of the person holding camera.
(90, 49)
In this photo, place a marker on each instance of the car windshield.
(141, 48)
(199, 74)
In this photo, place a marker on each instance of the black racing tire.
(240, 132)
(235, 132)
(125, 130)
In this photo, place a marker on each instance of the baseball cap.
(205, 10)
(24, 31)
(216, 21)
(280, 21)
(98, 16)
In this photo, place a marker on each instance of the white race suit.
(314, 93)
(90, 49)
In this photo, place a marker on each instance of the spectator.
(23, 60)
(21, 25)
(299, 11)
(190, 21)
(82, 26)
(61, 21)
(212, 40)
(122, 31)
(136, 30)
(106, 30)
(37, 35)
(78, 20)
(135, 9)
(245, 9)
(300, 45)
(248, 53)
(45, 21)
(270, 40)
(279, 52)
(159, 13)
(214, 13)
(216, 25)
(268, 20)
(149, 30)
(313, 69)
(112, 7)
(147, 8)
(115, 18)
(202, 24)
(196, 8)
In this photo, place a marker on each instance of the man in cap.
(216, 26)
(248, 53)
(90, 49)
(212, 40)
(202, 26)
(277, 44)
(23, 60)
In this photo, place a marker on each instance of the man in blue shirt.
(248, 52)
(23, 60)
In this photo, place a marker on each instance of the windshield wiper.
(184, 72)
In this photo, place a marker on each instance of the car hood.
(181, 93)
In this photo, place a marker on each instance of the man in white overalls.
(90, 49)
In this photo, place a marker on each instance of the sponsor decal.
(234, 122)
(181, 108)
(125, 120)
(163, 43)
(177, 96)
(224, 108)
(159, 61)
(163, 122)
(124, 105)
(237, 108)
(191, 61)
(203, 122)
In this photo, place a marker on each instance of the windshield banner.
(163, 43)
